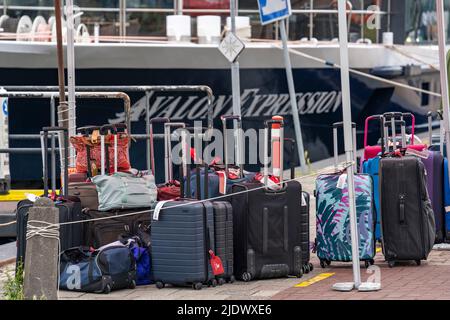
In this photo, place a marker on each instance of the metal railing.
(178, 8)
(145, 89)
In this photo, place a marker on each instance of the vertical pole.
(311, 20)
(236, 87)
(347, 119)
(71, 77)
(122, 18)
(294, 106)
(362, 20)
(53, 142)
(389, 17)
(179, 7)
(147, 125)
(444, 73)
(60, 53)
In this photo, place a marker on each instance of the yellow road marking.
(17, 195)
(315, 279)
(378, 249)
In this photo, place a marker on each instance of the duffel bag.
(110, 267)
(125, 191)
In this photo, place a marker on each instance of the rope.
(396, 49)
(363, 74)
(7, 224)
(50, 231)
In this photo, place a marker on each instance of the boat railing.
(178, 8)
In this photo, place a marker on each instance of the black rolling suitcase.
(304, 214)
(266, 225)
(71, 235)
(407, 218)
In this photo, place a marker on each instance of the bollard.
(41, 257)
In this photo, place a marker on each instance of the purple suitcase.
(434, 167)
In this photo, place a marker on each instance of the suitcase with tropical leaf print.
(333, 241)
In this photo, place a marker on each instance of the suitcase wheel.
(160, 285)
(310, 266)
(418, 262)
(322, 263)
(246, 276)
(368, 263)
(212, 283)
(300, 273)
(197, 286)
(391, 264)
(107, 289)
(221, 281)
(305, 268)
(132, 284)
(232, 279)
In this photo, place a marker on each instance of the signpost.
(231, 47)
(444, 72)
(279, 10)
(348, 139)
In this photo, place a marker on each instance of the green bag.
(125, 191)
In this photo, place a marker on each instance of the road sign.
(273, 10)
(231, 47)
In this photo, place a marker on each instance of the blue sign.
(274, 10)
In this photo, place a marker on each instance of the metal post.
(294, 105)
(179, 7)
(444, 73)
(122, 18)
(53, 144)
(147, 125)
(311, 20)
(347, 119)
(236, 87)
(389, 16)
(61, 80)
(71, 77)
(362, 20)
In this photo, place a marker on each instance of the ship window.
(425, 96)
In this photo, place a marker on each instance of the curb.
(7, 261)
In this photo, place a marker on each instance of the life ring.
(40, 30)
(82, 34)
(24, 28)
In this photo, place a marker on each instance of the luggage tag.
(158, 208)
(216, 264)
(342, 181)
(222, 182)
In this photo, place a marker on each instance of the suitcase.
(182, 240)
(223, 234)
(69, 208)
(120, 222)
(170, 189)
(304, 215)
(333, 220)
(446, 201)
(407, 217)
(266, 226)
(371, 152)
(434, 166)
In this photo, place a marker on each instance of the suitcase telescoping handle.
(65, 181)
(168, 168)
(225, 119)
(392, 116)
(152, 145)
(292, 142)
(276, 124)
(380, 118)
(393, 124)
(336, 126)
(113, 129)
(435, 115)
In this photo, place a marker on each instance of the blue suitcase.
(181, 239)
(371, 167)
